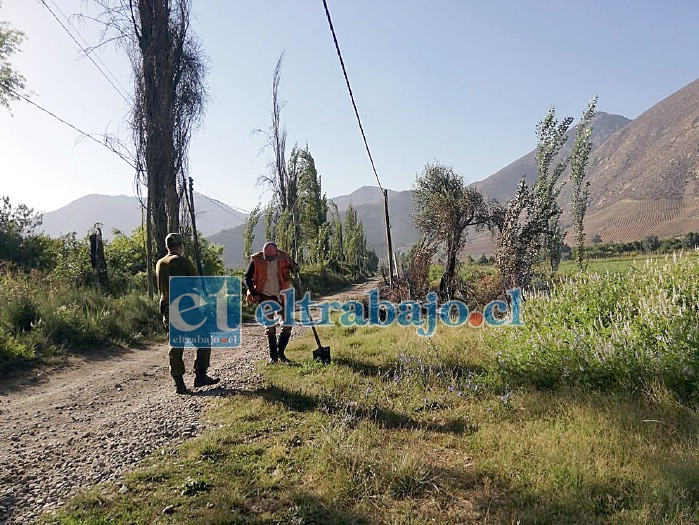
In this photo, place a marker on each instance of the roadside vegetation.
(559, 421)
(56, 303)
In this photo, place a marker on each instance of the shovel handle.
(315, 334)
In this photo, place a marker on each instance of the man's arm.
(247, 277)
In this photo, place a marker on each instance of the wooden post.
(195, 235)
(389, 243)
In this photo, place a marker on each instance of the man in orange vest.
(268, 274)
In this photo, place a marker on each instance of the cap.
(173, 239)
(269, 251)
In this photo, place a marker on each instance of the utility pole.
(389, 243)
(195, 235)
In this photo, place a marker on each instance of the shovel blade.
(322, 354)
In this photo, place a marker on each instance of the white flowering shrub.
(610, 331)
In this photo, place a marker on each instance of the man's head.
(269, 251)
(175, 243)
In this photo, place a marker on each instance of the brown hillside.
(502, 184)
(645, 178)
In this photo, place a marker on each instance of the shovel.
(322, 353)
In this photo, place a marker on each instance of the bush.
(43, 316)
(610, 331)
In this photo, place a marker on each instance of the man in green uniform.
(175, 264)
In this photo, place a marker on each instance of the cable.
(215, 202)
(75, 128)
(91, 137)
(87, 54)
(402, 220)
(349, 88)
(88, 46)
(77, 31)
(223, 199)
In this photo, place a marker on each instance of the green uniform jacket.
(172, 265)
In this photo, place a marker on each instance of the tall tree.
(313, 211)
(249, 230)
(11, 81)
(283, 176)
(444, 207)
(354, 241)
(169, 67)
(550, 165)
(530, 224)
(581, 191)
(336, 242)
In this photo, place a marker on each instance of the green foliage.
(354, 248)
(313, 216)
(19, 242)
(324, 277)
(651, 243)
(579, 158)
(10, 79)
(336, 241)
(611, 331)
(249, 231)
(126, 261)
(444, 207)
(43, 316)
(530, 227)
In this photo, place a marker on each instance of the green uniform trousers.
(177, 368)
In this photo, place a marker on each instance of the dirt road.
(95, 418)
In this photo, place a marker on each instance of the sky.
(460, 82)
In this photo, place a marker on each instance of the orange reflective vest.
(260, 274)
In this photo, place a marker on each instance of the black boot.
(180, 387)
(272, 343)
(281, 346)
(201, 379)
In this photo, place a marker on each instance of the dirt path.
(94, 419)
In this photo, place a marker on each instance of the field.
(587, 414)
(616, 264)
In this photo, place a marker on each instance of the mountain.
(643, 174)
(503, 184)
(644, 180)
(367, 201)
(124, 214)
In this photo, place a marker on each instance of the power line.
(349, 88)
(87, 54)
(216, 203)
(77, 31)
(94, 139)
(223, 199)
(402, 220)
(75, 128)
